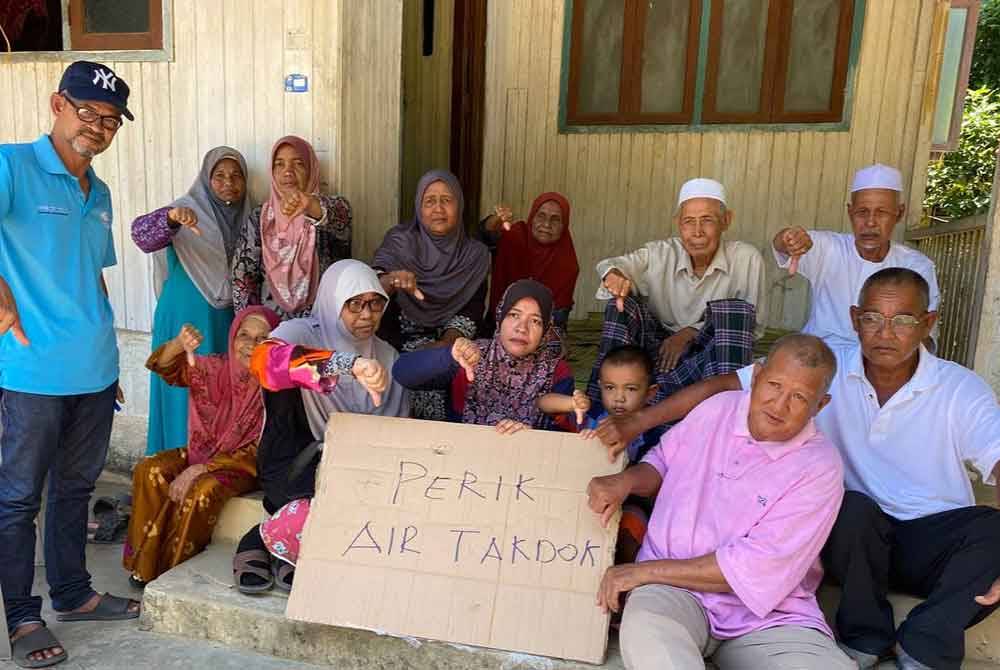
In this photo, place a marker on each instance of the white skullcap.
(702, 188)
(877, 176)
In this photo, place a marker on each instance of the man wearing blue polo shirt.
(58, 356)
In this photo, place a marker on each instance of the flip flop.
(37, 640)
(243, 564)
(109, 608)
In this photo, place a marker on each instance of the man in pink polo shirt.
(747, 491)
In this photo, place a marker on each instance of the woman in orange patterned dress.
(177, 494)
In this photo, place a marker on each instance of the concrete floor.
(121, 645)
(124, 646)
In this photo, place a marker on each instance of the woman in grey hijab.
(192, 241)
(436, 277)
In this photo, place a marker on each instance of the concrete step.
(239, 515)
(198, 600)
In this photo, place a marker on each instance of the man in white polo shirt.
(837, 264)
(905, 422)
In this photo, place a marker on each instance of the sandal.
(111, 516)
(109, 608)
(253, 562)
(37, 640)
(284, 574)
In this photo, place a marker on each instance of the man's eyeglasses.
(87, 115)
(357, 305)
(904, 324)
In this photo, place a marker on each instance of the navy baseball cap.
(84, 80)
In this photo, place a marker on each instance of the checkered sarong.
(724, 343)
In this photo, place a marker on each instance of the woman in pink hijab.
(289, 241)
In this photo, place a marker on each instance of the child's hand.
(581, 405)
(510, 426)
(588, 434)
(373, 376)
(467, 354)
(189, 340)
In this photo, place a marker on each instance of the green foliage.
(959, 184)
(986, 58)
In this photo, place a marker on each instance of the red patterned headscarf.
(225, 408)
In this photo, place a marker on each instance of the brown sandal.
(244, 564)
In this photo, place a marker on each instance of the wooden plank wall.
(623, 186)
(371, 114)
(426, 96)
(225, 85)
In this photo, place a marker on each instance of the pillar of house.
(987, 361)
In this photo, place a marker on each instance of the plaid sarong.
(724, 343)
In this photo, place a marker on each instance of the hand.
(9, 318)
(189, 339)
(373, 376)
(182, 483)
(467, 354)
(617, 432)
(186, 217)
(673, 348)
(401, 280)
(619, 285)
(581, 405)
(605, 495)
(294, 202)
(588, 434)
(510, 426)
(504, 215)
(120, 394)
(992, 596)
(618, 579)
(797, 242)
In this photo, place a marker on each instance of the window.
(81, 25)
(953, 78)
(633, 61)
(113, 24)
(708, 61)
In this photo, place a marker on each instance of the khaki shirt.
(661, 272)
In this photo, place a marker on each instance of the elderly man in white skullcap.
(837, 264)
(694, 302)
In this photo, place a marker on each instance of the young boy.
(626, 384)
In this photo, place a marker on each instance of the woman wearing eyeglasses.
(311, 368)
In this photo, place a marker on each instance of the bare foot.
(42, 655)
(95, 600)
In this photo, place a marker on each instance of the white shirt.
(909, 455)
(836, 273)
(662, 273)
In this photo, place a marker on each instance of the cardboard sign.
(456, 533)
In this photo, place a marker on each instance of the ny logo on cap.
(106, 79)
